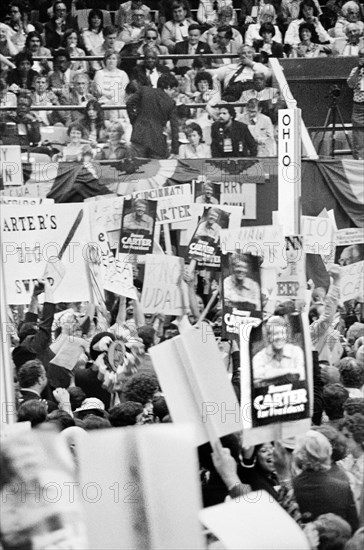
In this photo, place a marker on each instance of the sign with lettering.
(318, 235)
(235, 193)
(174, 202)
(352, 282)
(291, 281)
(10, 162)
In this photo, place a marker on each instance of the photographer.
(356, 82)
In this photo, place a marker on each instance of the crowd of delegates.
(316, 477)
(63, 33)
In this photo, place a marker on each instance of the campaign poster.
(241, 292)
(278, 371)
(205, 243)
(349, 246)
(137, 226)
(206, 192)
(291, 280)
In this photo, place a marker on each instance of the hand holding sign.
(335, 273)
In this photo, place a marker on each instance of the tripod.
(333, 113)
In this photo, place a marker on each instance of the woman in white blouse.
(195, 148)
(110, 83)
(267, 15)
(308, 14)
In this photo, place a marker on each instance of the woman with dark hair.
(195, 148)
(23, 75)
(93, 38)
(34, 45)
(267, 15)
(308, 14)
(19, 23)
(93, 122)
(266, 44)
(71, 43)
(77, 149)
(206, 93)
(309, 45)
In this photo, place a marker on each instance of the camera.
(335, 91)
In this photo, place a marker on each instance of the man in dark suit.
(33, 380)
(148, 72)
(149, 111)
(192, 46)
(230, 138)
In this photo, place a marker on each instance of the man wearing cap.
(139, 220)
(278, 358)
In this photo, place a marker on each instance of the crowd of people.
(130, 42)
(125, 107)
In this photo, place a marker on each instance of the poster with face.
(137, 226)
(241, 292)
(206, 192)
(205, 243)
(291, 281)
(278, 372)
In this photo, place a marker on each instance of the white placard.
(352, 282)
(348, 236)
(236, 193)
(11, 166)
(318, 235)
(174, 202)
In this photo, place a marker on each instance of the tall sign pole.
(289, 170)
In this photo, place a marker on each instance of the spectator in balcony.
(267, 43)
(151, 38)
(195, 148)
(208, 94)
(208, 12)
(7, 48)
(290, 10)
(357, 117)
(110, 42)
(353, 43)
(78, 94)
(224, 44)
(134, 31)
(268, 97)
(230, 138)
(93, 121)
(22, 127)
(93, 38)
(21, 78)
(308, 14)
(56, 27)
(7, 98)
(77, 149)
(19, 24)
(267, 15)
(309, 45)
(34, 45)
(192, 46)
(115, 147)
(60, 79)
(148, 72)
(42, 96)
(225, 15)
(111, 83)
(71, 43)
(350, 14)
(177, 30)
(260, 127)
(238, 76)
(125, 13)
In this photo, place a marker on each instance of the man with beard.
(230, 138)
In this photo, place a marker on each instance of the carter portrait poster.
(137, 226)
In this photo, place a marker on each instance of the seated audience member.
(237, 77)
(230, 138)
(43, 96)
(225, 16)
(7, 48)
(191, 46)
(111, 83)
(208, 12)
(351, 376)
(350, 13)
(267, 15)
(56, 27)
(19, 24)
(206, 93)
(352, 428)
(22, 77)
(312, 455)
(93, 37)
(133, 32)
(34, 45)
(79, 93)
(125, 414)
(77, 150)
(115, 148)
(334, 397)
(151, 39)
(260, 127)
(61, 77)
(224, 44)
(7, 98)
(290, 10)
(71, 43)
(309, 45)
(93, 122)
(110, 42)
(125, 13)
(266, 43)
(176, 30)
(308, 14)
(148, 72)
(34, 411)
(353, 43)
(21, 127)
(195, 148)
